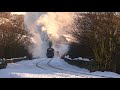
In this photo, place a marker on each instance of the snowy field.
(50, 68)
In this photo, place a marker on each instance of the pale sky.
(18, 12)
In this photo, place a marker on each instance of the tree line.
(98, 36)
(13, 36)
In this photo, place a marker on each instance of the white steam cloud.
(48, 26)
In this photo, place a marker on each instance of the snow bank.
(79, 58)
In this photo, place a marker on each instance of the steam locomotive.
(50, 51)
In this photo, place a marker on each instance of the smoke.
(48, 26)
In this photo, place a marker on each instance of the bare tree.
(100, 31)
(12, 35)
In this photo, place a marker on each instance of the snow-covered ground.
(50, 68)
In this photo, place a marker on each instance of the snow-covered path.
(49, 68)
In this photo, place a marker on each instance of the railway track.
(37, 64)
(76, 71)
(46, 64)
(61, 70)
(46, 67)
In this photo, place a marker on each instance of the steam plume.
(48, 26)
